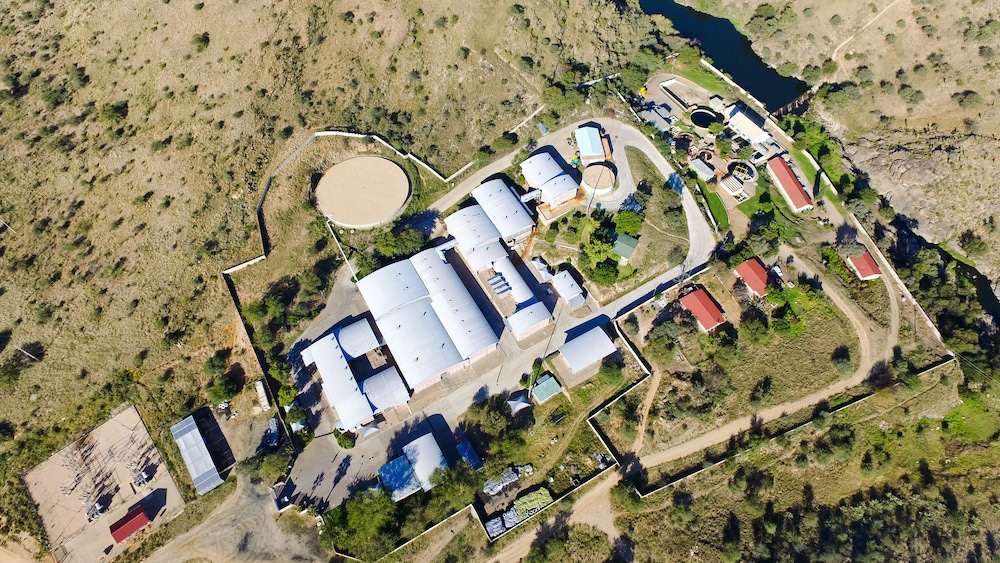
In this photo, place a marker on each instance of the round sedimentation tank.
(363, 192)
(599, 178)
(703, 117)
(743, 171)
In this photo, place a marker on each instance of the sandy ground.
(242, 528)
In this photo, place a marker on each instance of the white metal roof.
(385, 389)
(539, 169)
(431, 330)
(527, 318)
(518, 287)
(484, 256)
(471, 227)
(357, 339)
(424, 455)
(588, 141)
(587, 349)
(419, 343)
(565, 285)
(453, 303)
(390, 287)
(746, 127)
(556, 188)
(339, 385)
(196, 457)
(507, 212)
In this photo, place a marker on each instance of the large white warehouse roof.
(431, 330)
(504, 208)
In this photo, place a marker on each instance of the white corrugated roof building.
(568, 289)
(424, 455)
(507, 212)
(357, 339)
(385, 389)
(587, 349)
(427, 317)
(539, 169)
(339, 385)
(528, 320)
(745, 126)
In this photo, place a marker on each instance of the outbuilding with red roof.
(131, 523)
(754, 275)
(789, 185)
(704, 309)
(864, 266)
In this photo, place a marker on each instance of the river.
(730, 52)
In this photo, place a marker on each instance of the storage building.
(196, 457)
(587, 349)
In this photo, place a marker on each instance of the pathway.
(835, 56)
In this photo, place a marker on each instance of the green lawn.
(718, 209)
(973, 421)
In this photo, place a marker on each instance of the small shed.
(568, 289)
(129, 524)
(864, 266)
(624, 246)
(589, 144)
(196, 457)
(704, 170)
(545, 388)
(469, 455)
(754, 275)
(587, 349)
(704, 309)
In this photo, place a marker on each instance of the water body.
(730, 52)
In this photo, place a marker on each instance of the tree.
(628, 223)
(457, 485)
(273, 466)
(295, 414)
(972, 244)
(217, 364)
(725, 146)
(363, 526)
(605, 272)
(223, 387)
(286, 395)
(403, 243)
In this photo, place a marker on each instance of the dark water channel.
(730, 52)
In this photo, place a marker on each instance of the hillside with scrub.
(909, 88)
(135, 139)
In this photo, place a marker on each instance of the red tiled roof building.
(864, 266)
(789, 185)
(704, 309)
(131, 523)
(754, 275)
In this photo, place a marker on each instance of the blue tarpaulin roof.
(399, 478)
(468, 453)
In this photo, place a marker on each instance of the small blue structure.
(469, 455)
(399, 478)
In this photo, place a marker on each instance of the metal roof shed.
(588, 142)
(505, 209)
(469, 455)
(587, 349)
(568, 289)
(196, 457)
(129, 524)
(545, 388)
(424, 454)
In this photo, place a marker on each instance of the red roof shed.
(865, 266)
(789, 185)
(131, 523)
(704, 309)
(753, 273)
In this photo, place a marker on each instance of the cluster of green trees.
(390, 245)
(370, 524)
(576, 544)
(492, 424)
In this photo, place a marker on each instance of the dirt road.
(242, 528)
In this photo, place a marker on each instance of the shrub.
(628, 222)
(200, 41)
(972, 244)
(272, 467)
(223, 388)
(967, 99)
(286, 395)
(295, 414)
